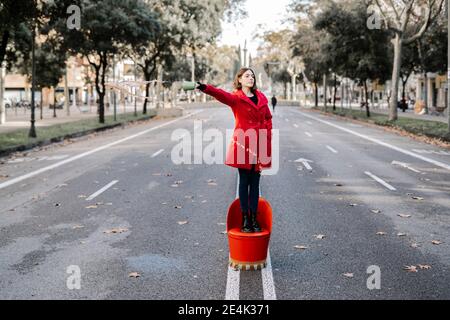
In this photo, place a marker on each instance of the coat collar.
(262, 100)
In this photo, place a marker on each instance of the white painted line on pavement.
(233, 276)
(387, 185)
(405, 165)
(331, 149)
(109, 185)
(308, 134)
(156, 153)
(412, 154)
(267, 280)
(84, 154)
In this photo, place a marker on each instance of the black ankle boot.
(246, 226)
(254, 223)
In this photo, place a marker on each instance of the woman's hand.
(200, 86)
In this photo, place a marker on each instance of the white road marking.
(412, 154)
(331, 149)
(387, 185)
(305, 163)
(308, 134)
(84, 154)
(405, 165)
(95, 194)
(157, 152)
(440, 152)
(267, 280)
(233, 276)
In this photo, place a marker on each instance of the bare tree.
(407, 20)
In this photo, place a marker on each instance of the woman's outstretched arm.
(221, 95)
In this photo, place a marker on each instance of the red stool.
(248, 251)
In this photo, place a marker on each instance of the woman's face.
(247, 79)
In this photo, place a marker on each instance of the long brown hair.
(236, 83)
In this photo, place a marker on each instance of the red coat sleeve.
(221, 95)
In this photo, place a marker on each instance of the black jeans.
(249, 178)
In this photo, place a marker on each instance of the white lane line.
(387, 185)
(295, 125)
(308, 134)
(267, 280)
(84, 154)
(95, 194)
(405, 165)
(331, 149)
(233, 276)
(412, 154)
(156, 153)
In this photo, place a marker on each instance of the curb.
(24, 147)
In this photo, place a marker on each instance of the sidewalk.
(22, 119)
(407, 114)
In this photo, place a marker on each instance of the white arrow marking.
(305, 163)
(405, 165)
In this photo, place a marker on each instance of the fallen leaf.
(424, 266)
(163, 202)
(115, 230)
(156, 174)
(178, 182)
(182, 222)
(400, 234)
(57, 204)
(189, 197)
(348, 275)
(174, 186)
(381, 233)
(353, 204)
(77, 227)
(168, 174)
(319, 236)
(300, 247)
(204, 201)
(212, 184)
(134, 275)
(81, 196)
(177, 207)
(414, 245)
(375, 211)
(417, 198)
(224, 232)
(436, 242)
(401, 215)
(91, 207)
(410, 268)
(338, 185)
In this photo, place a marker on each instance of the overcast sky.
(271, 13)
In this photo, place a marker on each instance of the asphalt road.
(59, 206)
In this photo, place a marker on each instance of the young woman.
(251, 147)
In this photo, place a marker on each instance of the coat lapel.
(243, 97)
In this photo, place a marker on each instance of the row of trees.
(361, 40)
(150, 32)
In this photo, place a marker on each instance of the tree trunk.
(316, 95)
(397, 42)
(325, 91)
(334, 93)
(366, 100)
(3, 45)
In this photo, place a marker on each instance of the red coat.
(252, 136)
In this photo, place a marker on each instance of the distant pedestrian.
(274, 103)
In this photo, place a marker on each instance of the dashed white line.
(412, 154)
(331, 149)
(157, 152)
(84, 154)
(384, 183)
(109, 185)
